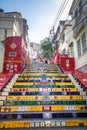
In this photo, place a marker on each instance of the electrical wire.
(59, 14)
(79, 21)
(60, 10)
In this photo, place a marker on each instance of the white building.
(12, 24)
(34, 50)
(64, 37)
(78, 12)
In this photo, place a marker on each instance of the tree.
(46, 46)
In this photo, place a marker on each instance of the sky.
(40, 14)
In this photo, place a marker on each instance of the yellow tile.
(64, 83)
(57, 108)
(24, 83)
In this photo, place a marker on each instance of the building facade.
(64, 38)
(56, 36)
(78, 12)
(12, 24)
(34, 50)
(71, 36)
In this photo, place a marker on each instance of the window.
(76, 15)
(84, 47)
(5, 33)
(80, 6)
(79, 47)
(63, 38)
(70, 50)
(12, 54)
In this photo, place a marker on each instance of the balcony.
(79, 24)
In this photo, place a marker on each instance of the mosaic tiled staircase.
(43, 97)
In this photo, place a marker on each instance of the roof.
(12, 13)
(72, 7)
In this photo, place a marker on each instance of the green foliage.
(46, 46)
